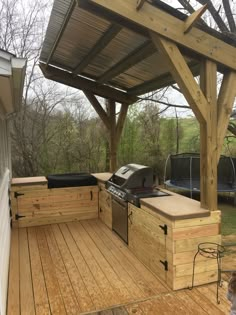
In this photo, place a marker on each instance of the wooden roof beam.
(193, 18)
(82, 83)
(162, 23)
(183, 76)
(106, 38)
(98, 108)
(160, 81)
(139, 54)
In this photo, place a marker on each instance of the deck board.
(54, 293)
(27, 306)
(14, 276)
(39, 286)
(84, 268)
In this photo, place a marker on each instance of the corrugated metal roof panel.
(82, 32)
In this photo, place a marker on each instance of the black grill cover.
(71, 180)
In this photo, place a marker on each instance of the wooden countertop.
(175, 206)
(29, 180)
(103, 177)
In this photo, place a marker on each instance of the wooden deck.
(83, 267)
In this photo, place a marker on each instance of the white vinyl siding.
(5, 230)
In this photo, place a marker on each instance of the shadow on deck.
(84, 268)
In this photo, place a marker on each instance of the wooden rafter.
(82, 83)
(159, 81)
(193, 18)
(164, 24)
(208, 134)
(98, 108)
(139, 54)
(183, 76)
(106, 38)
(60, 33)
(225, 103)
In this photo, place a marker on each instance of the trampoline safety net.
(185, 172)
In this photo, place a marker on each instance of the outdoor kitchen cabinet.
(104, 205)
(147, 236)
(33, 203)
(167, 246)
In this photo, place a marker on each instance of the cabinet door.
(105, 208)
(43, 206)
(147, 240)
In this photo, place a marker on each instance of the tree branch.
(216, 16)
(229, 15)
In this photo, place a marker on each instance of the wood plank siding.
(83, 267)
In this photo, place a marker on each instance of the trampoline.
(182, 171)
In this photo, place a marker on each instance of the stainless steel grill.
(129, 184)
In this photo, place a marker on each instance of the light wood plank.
(210, 292)
(108, 251)
(106, 260)
(153, 282)
(188, 304)
(197, 231)
(193, 18)
(67, 292)
(88, 279)
(54, 295)
(183, 76)
(13, 306)
(26, 289)
(39, 287)
(79, 287)
(208, 135)
(83, 241)
(203, 300)
(137, 278)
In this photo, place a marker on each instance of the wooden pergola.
(121, 49)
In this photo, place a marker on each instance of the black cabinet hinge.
(16, 194)
(164, 228)
(18, 216)
(165, 264)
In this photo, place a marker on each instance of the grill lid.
(133, 176)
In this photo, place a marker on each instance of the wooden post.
(208, 136)
(109, 119)
(111, 112)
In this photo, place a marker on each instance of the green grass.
(228, 212)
